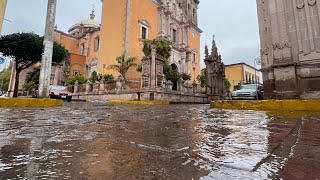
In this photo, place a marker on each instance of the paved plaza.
(100, 141)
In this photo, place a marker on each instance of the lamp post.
(257, 61)
(46, 60)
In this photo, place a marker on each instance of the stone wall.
(290, 48)
(137, 95)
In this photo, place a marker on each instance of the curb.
(29, 102)
(270, 105)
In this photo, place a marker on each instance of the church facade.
(83, 44)
(290, 48)
(127, 23)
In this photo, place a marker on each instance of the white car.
(248, 92)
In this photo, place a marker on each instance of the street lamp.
(257, 61)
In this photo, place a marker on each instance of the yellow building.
(127, 23)
(242, 73)
(82, 42)
(3, 5)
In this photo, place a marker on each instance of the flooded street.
(99, 141)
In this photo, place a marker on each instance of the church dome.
(87, 23)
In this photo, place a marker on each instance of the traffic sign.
(2, 60)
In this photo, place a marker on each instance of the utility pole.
(46, 60)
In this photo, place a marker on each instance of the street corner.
(270, 105)
(29, 102)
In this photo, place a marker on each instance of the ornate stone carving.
(311, 2)
(215, 73)
(150, 73)
(281, 45)
(300, 4)
(282, 50)
(265, 51)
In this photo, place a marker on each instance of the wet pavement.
(99, 141)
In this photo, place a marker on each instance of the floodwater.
(99, 141)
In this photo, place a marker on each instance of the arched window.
(82, 49)
(174, 35)
(96, 44)
(76, 72)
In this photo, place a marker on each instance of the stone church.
(93, 46)
(83, 43)
(127, 23)
(290, 48)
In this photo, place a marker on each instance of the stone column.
(180, 85)
(76, 87)
(153, 80)
(46, 60)
(102, 86)
(169, 85)
(119, 84)
(88, 86)
(194, 85)
(12, 80)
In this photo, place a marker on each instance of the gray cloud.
(235, 26)
(234, 23)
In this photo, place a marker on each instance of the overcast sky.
(233, 22)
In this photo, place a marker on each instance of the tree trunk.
(16, 84)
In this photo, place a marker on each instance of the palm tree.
(124, 64)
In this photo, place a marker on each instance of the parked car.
(248, 92)
(60, 92)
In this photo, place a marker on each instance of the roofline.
(65, 34)
(242, 63)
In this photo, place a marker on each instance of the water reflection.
(98, 141)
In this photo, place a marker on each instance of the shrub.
(73, 79)
(185, 76)
(108, 77)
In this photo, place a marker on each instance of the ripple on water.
(233, 143)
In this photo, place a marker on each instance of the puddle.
(94, 141)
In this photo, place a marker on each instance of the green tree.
(162, 46)
(202, 77)
(32, 79)
(108, 77)
(73, 79)
(227, 84)
(163, 52)
(172, 75)
(26, 50)
(185, 76)
(139, 68)
(5, 76)
(95, 77)
(123, 65)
